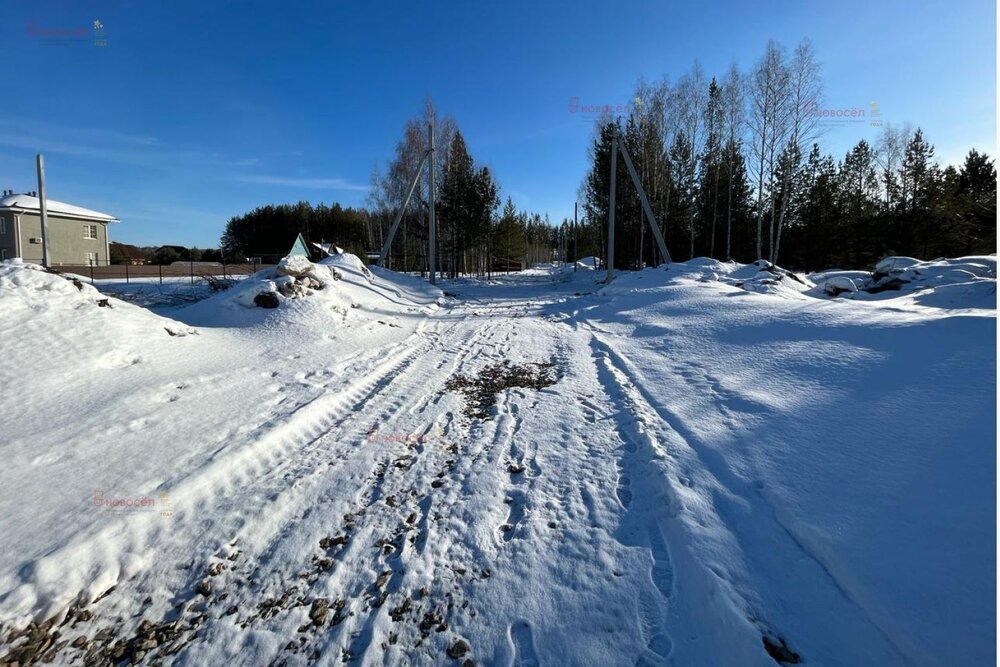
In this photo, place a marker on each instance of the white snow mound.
(340, 287)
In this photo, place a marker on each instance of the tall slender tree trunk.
(760, 196)
(777, 240)
(770, 236)
(786, 196)
(715, 206)
(729, 216)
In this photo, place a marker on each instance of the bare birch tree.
(767, 92)
(890, 147)
(690, 98)
(804, 92)
(389, 188)
(734, 119)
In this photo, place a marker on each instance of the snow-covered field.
(162, 296)
(725, 465)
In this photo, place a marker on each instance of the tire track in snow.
(453, 565)
(699, 471)
(641, 524)
(378, 521)
(303, 457)
(308, 423)
(362, 645)
(357, 637)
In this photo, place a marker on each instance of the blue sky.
(194, 112)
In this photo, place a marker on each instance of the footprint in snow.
(524, 645)
(46, 459)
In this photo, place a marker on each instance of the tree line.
(124, 253)
(733, 169)
(474, 235)
(269, 231)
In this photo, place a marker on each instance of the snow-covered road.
(715, 477)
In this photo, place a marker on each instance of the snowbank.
(964, 282)
(336, 288)
(107, 400)
(851, 444)
(29, 289)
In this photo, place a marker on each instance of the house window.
(90, 231)
(91, 259)
(3, 225)
(3, 254)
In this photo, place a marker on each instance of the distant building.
(301, 249)
(168, 254)
(294, 246)
(328, 249)
(76, 236)
(123, 253)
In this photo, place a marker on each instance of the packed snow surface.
(727, 465)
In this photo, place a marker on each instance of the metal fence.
(150, 272)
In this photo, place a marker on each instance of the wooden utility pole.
(40, 162)
(615, 142)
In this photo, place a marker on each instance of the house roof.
(329, 248)
(30, 203)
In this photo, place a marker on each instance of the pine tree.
(683, 204)
(859, 204)
(453, 209)
(977, 192)
(711, 165)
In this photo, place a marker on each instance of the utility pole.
(431, 221)
(615, 141)
(611, 211)
(387, 245)
(40, 162)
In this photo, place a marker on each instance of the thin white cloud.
(106, 145)
(306, 183)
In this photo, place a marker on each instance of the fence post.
(160, 267)
(192, 270)
(126, 272)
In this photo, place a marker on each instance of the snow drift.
(851, 441)
(342, 287)
(107, 399)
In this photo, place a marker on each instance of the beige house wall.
(67, 242)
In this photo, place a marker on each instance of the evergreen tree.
(711, 167)
(977, 202)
